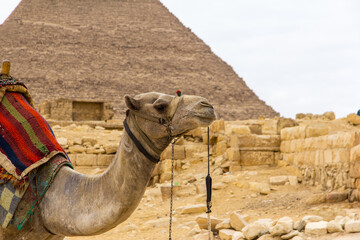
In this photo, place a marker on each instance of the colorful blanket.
(26, 142)
(26, 139)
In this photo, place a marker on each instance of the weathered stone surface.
(316, 228)
(290, 235)
(179, 152)
(223, 225)
(238, 221)
(352, 226)
(202, 221)
(238, 236)
(334, 226)
(285, 123)
(278, 180)
(157, 223)
(242, 130)
(317, 130)
(220, 148)
(329, 115)
(77, 149)
(255, 158)
(342, 220)
(255, 142)
(111, 148)
(255, 229)
(198, 208)
(353, 119)
(62, 141)
(233, 154)
(262, 188)
(300, 225)
(226, 234)
(283, 226)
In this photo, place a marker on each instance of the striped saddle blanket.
(26, 142)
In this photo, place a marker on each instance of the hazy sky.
(297, 56)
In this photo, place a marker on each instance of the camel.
(84, 205)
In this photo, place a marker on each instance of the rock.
(297, 238)
(255, 229)
(329, 115)
(268, 237)
(290, 235)
(293, 180)
(352, 226)
(283, 226)
(334, 226)
(202, 236)
(111, 148)
(218, 186)
(244, 130)
(238, 221)
(62, 141)
(77, 149)
(226, 234)
(198, 208)
(334, 197)
(353, 119)
(342, 220)
(285, 123)
(99, 128)
(316, 228)
(238, 236)
(300, 225)
(279, 180)
(316, 199)
(92, 141)
(202, 221)
(262, 188)
(223, 225)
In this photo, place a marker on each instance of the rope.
(171, 186)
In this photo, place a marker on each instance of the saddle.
(26, 143)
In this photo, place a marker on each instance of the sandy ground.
(283, 201)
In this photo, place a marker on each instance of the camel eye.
(160, 105)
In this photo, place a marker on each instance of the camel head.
(161, 115)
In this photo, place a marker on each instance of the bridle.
(165, 121)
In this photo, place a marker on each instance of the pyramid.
(106, 49)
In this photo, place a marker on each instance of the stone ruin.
(64, 109)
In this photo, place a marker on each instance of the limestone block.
(86, 160)
(233, 154)
(192, 149)
(111, 148)
(62, 141)
(283, 226)
(197, 132)
(317, 130)
(77, 149)
(198, 208)
(355, 169)
(352, 226)
(283, 123)
(334, 226)
(223, 225)
(329, 115)
(285, 146)
(299, 158)
(202, 221)
(262, 188)
(290, 235)
(242, 130)
(341, 155)
(278, 180)
(220, 148)
(255, 142)
(255, 229)
(293, 180)
(293, 133)
(328, 156)
(342, 220)
(288, 157)
(254, 158)
(238, 221)
(218, 126)
(255, 129)
(238, 236)
(226, 234)
(345, 139)
(104, 159)
(319, 158)
(355, 153)
(179, 152)
(165, 166)
(316, 228)
(90, 140)
(270, 126)
(353, 119)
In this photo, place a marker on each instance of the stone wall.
(76, 110)
(324, 157)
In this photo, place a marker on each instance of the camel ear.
(131, 103)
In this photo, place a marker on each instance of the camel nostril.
(206, 104)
